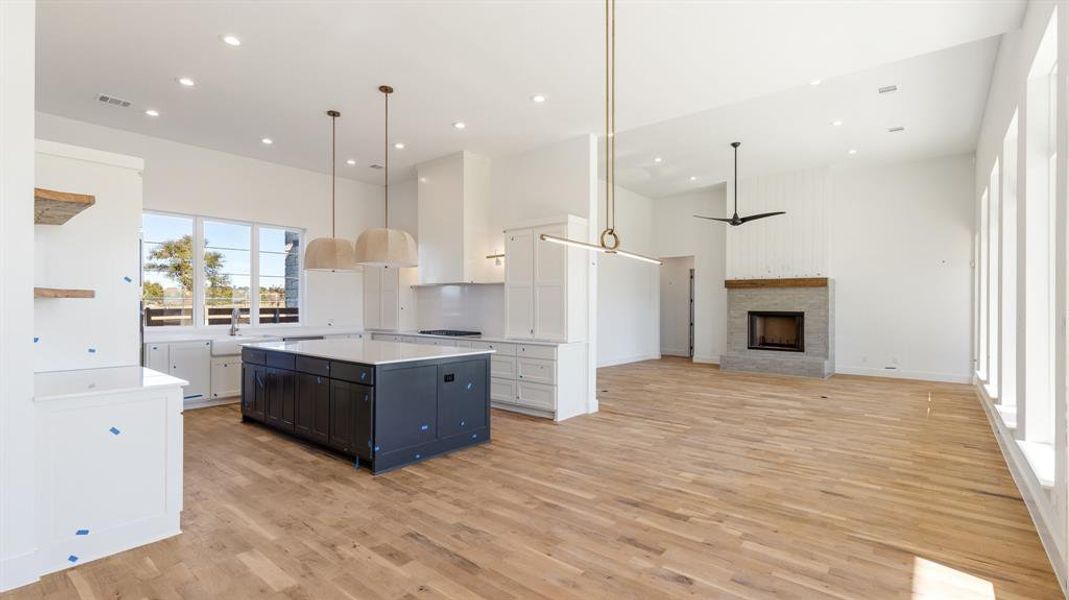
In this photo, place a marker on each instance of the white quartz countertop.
(221, 332)
(470, 338)
(365, 351)
(56, 385)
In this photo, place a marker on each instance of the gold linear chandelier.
(609, 241)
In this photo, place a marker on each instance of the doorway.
(677, 306)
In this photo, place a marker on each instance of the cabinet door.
(406, 407)
(226, 376)
(157, 358)
(389, 300)
(462, 397)
(550, 287)
(192, 361)
(281, 392)
(363, 418)
(312, 418)
(253, 392)
(372, 297)
(519, 284)
(342, 431)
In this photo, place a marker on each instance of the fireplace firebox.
(777, 330)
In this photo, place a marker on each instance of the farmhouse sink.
(230, 346)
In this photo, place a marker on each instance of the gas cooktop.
(450, 332)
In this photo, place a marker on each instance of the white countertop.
(365, 351)
(56, 385)
(470, 338)
(194, 335)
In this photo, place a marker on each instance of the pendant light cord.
(736, 179)
(333, 168)
(386, 161)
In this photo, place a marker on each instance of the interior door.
(519, 284)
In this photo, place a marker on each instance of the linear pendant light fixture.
(609, 241)
(382, 246)
(330, 253)
(735, 220)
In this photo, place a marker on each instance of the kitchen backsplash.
(469, 307)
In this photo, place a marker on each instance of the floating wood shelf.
(56, 208)
(791, 282)
(42, 292)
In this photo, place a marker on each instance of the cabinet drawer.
(545, 352)
(252, 356)
(503, 366)
(536, 370)
(537, 395)
(280, 360)
(498, 347)
(315, 366)
(351, 372)
(503, 390)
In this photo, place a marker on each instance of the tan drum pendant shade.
(382, 246)
(330, 253)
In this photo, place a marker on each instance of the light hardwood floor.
(689, 483)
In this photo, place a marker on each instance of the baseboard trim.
(623, 360)
(20, 570)
(899, 374)
(675, 352)
(1035, 498)
(706, 359)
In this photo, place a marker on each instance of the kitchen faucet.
(235, 315)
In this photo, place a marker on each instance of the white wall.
(18, 541)
(675, 305)
(628, 290)
(97, 250)
(901, 248)
(189, 179)
(678, 233)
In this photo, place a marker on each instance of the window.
(1008, 284)
(280, 271)
(167, 274)
(993, 263)
(253, 268)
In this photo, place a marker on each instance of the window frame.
(200, 279)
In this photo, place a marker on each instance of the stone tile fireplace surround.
(813, 297)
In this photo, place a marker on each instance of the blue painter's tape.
(470, 385)
(72, 558)
(462, 423)
(190, 397)
(114, 431)
(369, 443)
(363, 376)
(474, 435)
(92, 350)
(376, 448)
(127, 279)
(36, 339)
(419, 456)
(82, 532)
(424, 427)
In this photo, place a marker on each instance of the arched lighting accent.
(330, 253)
(382, 246)
(609, 241)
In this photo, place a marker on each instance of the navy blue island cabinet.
(386, 404)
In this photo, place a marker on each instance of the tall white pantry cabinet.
(389, 301)
(546, 283)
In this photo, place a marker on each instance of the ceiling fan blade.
(722, 220)
(762, 216)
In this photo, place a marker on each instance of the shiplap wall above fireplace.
(790, 245)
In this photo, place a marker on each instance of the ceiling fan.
(735, 219)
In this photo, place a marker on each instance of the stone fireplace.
(780, 326)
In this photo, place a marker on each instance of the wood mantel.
(791, 282)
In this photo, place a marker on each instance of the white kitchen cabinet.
(192, 361)
(158, 357)
(545, 283)
(389, 302)
(226, 376)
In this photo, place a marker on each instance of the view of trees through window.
(173, 295)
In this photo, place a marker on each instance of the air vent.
(887, 89)
(375, 166)
(895, 129)
(113, 101)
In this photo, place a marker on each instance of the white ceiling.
(473, 61)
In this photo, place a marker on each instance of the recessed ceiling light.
(267, 141)
(815, 82)
(852, 151)
(887, 89)
(186, 81)
(694, 178)
(399, 145)
(658, 159)
(152, 112)
(538, 98)
(351, 162)
(459, 125)
(231, 40)
(836, 123)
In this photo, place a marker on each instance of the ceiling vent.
(895, 129)
(887, 89)
(113, 101)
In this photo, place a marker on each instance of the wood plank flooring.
(690, 483)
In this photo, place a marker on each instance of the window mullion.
(254, 277)
(199, 298)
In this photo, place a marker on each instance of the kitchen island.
(385, 404)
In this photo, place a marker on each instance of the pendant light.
(609, 241)
(382, 246)
(735, 220)
(330, 253)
